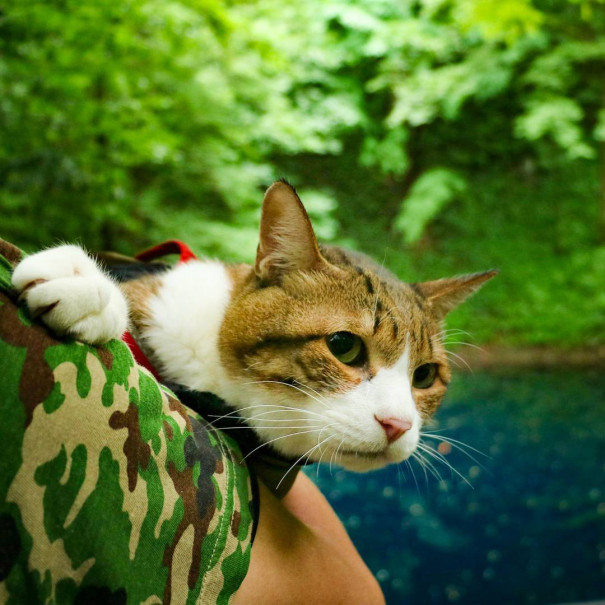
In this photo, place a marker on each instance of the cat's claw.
(71, 295)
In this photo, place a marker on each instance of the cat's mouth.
(364, 454)
(365, 460)
(361, 461)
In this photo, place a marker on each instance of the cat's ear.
(445, 294)
(287, 241)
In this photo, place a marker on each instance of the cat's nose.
(394, 427)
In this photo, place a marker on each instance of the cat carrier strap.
(173, 246)
(139, 356)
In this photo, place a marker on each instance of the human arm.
(302, 554)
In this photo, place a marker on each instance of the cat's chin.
(362, 462)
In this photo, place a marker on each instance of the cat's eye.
(424, 376)
(346, 347)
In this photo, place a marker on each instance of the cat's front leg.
(71, 294)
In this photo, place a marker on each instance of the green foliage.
(560, 118)
(499, 20)
(117, 115)
(407, 122)
(429, 195)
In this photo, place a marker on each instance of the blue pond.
(521, 522)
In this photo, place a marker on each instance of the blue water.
(530, 527)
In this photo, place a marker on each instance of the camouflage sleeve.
(111, 491)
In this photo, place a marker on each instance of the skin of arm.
(302, 554)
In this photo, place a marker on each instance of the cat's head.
(338, 359)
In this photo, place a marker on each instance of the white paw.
(66, 289)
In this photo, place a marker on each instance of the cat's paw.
(71, 295)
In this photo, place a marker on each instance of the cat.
(324, 353)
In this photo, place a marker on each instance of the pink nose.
(394, 427)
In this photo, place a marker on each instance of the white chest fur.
(187, 313)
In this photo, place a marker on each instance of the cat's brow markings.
(378, 308)
(395, 325)
(395, 328)
(422, 341)
(417, 296)
(282, 341)
(367, 279)
(380, 315)
(426, 337)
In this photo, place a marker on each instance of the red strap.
(138, 355)
(173, 246)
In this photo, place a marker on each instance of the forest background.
(439, 136)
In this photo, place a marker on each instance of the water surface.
(524, 523)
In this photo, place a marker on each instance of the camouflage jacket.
(111, 491)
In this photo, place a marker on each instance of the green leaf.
(558, 118)
(428, 197)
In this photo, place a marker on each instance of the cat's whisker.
(277, 408)
(451, 337)
(270, 419)
(454, 443)
(437, 456)
(455, 331)
(334, 453)
(427, 469)
(262, 415)
(427, 465)
(240, 427)
(287, 384)
(453, 362)
(454, 339)
(458, 445)
(249, 407)
(293, 409)
(340, 445)
(285, 437)
(416, 456)
(334, 456)
(466, 344)
(408, 464)
(320, 432)
(252, 365)
(461, 359)
(315, 392)
(305, 455)
(446, 336)
(306, 386)
(319, 462)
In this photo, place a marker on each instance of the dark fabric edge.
(255, 502)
